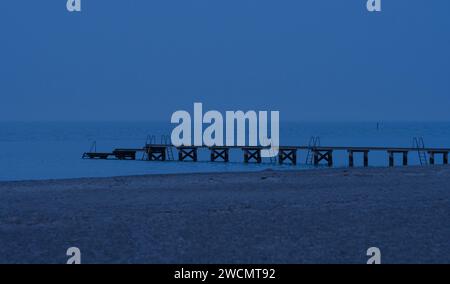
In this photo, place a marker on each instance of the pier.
(218, 152)
(321, 155)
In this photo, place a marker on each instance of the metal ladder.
(151, 139)
(165, 140)
(314, 141)
(93, 149)
(419, 144)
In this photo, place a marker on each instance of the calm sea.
(51, 150)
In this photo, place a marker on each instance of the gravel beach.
(310, 216)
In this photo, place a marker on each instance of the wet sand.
(315, 216)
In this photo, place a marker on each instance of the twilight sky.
(143, 59)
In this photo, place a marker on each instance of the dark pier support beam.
(391, 158)
(287, 154)
(351, 161)
(433, 157)
(330, 158)
(366, 159)
(323, 154)
(187, 152)
(393, 152)
(220, 153)
(351, 157)
(125, 155)
(316, 158)
(252, 153)
(156, 153)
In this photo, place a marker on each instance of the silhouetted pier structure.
(187, 153)
(286, 154)
(219, 152)
(434, 152)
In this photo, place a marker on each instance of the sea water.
(53, 150)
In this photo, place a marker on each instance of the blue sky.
(143, 59)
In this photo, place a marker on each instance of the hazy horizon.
(168, 121)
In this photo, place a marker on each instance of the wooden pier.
(323, 154)
(351, 160)
(218, 152)
(187, 153)
(125, 154)
(286, 154)
(435, 152)
(156, 153)
(252, 153)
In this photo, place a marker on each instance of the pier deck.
(321, 154)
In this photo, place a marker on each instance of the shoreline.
(313, 216)
(296, 170)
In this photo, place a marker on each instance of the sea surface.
(53, 150)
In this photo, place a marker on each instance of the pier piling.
(392, 152)
(433, 154)
(351, 161)
(323, 154)
(219, 153)
(391, 159)
(187, 152)
(124, 154)
(287, 154)
(252, 153)
(156, 153)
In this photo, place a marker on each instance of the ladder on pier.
(419, 144)
(151, 139)
(314, 141)
(93, 149)
(165, 140)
